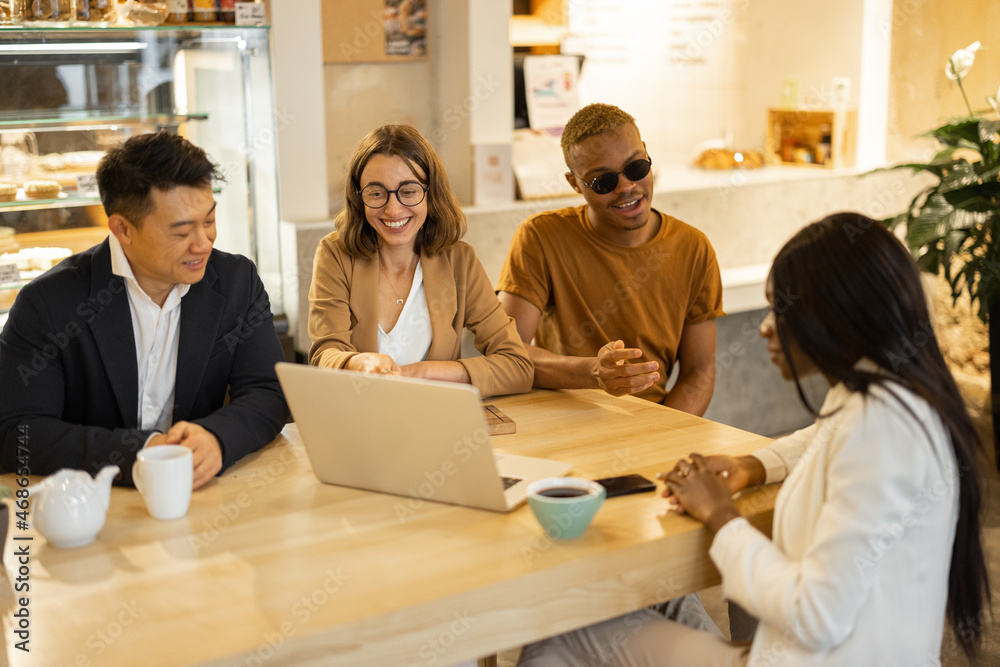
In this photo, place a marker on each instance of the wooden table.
(271, 566)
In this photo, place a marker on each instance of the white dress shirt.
(157, 334)
(410, 339)
(857, 571)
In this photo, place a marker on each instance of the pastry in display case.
(68, 94)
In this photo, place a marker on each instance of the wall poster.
(405, 27)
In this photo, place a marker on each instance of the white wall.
(873, 103)
(816, 41)
(690, 71)
(300, 131)
(300, 124)
(676, 66)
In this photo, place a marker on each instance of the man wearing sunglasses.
(614, 293)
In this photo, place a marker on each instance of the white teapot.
(70, 506)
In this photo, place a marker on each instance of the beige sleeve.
(329, 308)
(504, 367)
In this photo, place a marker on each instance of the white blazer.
(857, 572)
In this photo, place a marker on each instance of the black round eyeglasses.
(408, 194)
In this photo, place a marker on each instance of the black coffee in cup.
(563, 492)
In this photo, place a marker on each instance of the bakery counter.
(23, 202)
(76, 240)
(36, 252)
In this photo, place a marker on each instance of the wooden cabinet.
(825, 138)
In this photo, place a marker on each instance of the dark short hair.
(445, 224)
(590, 121)
(846, 289)
(128, 172)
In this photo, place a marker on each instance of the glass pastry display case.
(67, 94)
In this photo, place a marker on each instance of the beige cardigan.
(343, 315)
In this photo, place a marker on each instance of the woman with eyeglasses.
(394, 287)
(875, 541)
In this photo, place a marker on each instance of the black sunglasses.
(635, 170)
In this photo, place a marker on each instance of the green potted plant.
(953, 225)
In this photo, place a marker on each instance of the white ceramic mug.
(163, 475)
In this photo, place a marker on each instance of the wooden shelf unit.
(805, 129)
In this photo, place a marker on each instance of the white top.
(410, 339)
(157, 333)
(857, 572)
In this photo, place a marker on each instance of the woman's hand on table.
(703, 487)
(372, 362)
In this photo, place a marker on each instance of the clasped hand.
(704, 486)
(616, 376)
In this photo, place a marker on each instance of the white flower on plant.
(995, 102)
(961, 61)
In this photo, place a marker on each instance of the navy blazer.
(68, 376)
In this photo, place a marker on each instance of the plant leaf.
(931, 223)
(958, 174)
(971, 199)
(935, 169)
(953, 240)
(988, 128)
(959, 133)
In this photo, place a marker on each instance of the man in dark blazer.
(81, 384)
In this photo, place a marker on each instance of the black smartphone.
(626, 484)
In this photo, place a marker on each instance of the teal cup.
(565, 506)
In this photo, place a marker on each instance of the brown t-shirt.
(591, 291)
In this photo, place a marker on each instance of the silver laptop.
(418, 438)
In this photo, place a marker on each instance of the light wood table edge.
(490, 619)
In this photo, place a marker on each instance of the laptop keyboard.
(510, 481)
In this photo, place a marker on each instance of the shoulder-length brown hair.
(445, 222)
